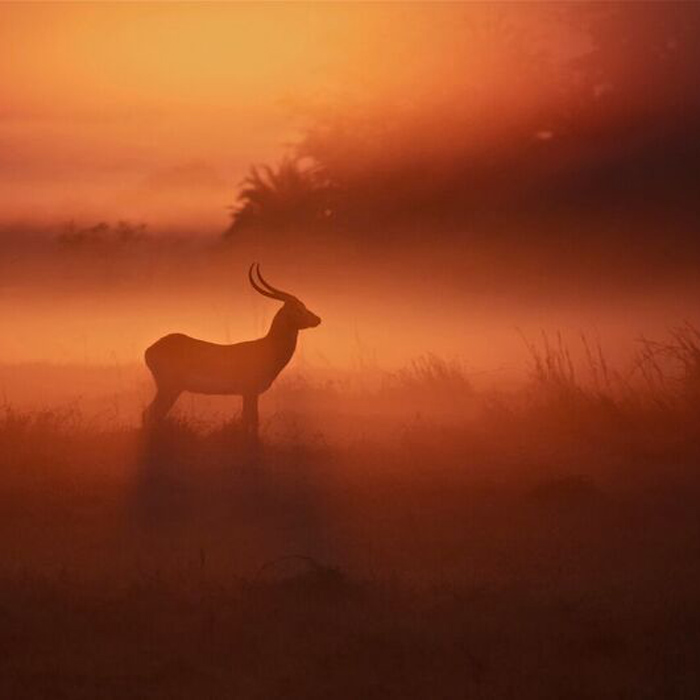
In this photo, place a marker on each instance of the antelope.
(179, 363)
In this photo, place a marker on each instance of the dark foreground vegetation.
(540, 544)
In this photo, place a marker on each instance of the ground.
(493, 551)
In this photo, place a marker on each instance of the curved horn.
(257, 287)
(278, 293)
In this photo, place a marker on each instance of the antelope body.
(180, 363)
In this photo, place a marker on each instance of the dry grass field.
(417, 539)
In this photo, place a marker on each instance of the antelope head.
(294, 313)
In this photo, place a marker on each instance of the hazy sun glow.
(101, 98)
(153, 112)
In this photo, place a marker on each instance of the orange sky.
(102, 101)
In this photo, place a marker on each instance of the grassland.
(419, 538)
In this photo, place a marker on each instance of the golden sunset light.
(110, 109)
(349, 350)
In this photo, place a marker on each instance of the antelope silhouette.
(179, 363)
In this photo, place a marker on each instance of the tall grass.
(526, 550)
(671, 368)
(663, 374)
(430, 377)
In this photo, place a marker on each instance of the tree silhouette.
(526, 127)
(292, 194)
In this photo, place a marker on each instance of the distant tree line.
(630, 103)
(101, 234)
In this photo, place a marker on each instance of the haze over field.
(478, 476)
(529, 165)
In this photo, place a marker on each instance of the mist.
(349, 350)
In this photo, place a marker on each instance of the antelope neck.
(283, 338)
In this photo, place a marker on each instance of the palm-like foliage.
(295, 193)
